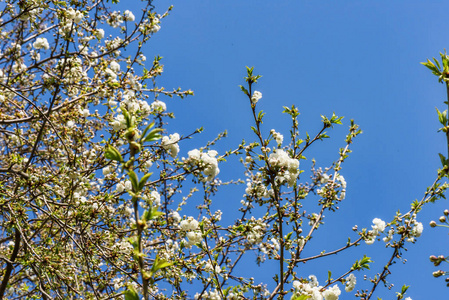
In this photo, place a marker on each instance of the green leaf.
(154, 135)
(113, 154)
(144, 180)
(443, 159)
(127, 118)
(244, 90)
(335, 119)
(442, 117)
(147, 128)
(300, 297)
(249, 71)
(431, 67)
(159, 264)
(131, 293)
(362, 263)
(444, 60)
(151, 213)
(134, 180)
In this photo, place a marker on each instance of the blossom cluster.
(204, 161)
(170, 144)
(190, 226)
(287, 167)
(314, 291)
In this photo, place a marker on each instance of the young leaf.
(113, 154)
(159, 264)
(134, 180)
(151, 213)
(244, 90)
(144, 180)
(131, 293)
(443, 159)
(154, 135)
(300, 297)
(362, 263)
(147, 128)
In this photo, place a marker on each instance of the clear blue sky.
(359, 59)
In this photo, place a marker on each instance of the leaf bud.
(132, 134)
(141, 223)
(135, 147)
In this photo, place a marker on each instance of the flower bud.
(433, 258)
(438, 273)
(446, 212)
(433, 224)
(442, 219)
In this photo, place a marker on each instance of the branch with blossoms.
(441, 70)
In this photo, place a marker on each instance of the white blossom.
(107, 170)
(389, 237)
(189, 224)
(324, 178)
(119, 122)
(158, 106)
(128, 185)
(379, 226)
(129, 16)
(155, 198)
(350, 283)
(114, 66)
(155, 25)
(194, 237)
(74, 15)
(277, 136)
(99, 33)
(41, 43)
(332, 293)
(205, 161)
(175, 216)
(288, 167)
(170, 143)
(342, 181)
(120, 187)
(417, 229)
(256, 97)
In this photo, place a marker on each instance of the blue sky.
(359, 59)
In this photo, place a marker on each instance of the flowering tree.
(96, 202)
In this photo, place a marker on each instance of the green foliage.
(362, 264)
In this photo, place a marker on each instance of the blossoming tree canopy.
(100, 199)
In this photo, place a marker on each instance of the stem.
(281, 235)
(139, 227)
(447, 132)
